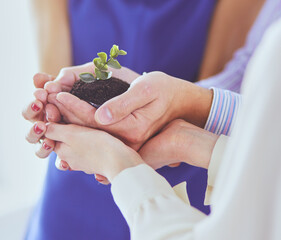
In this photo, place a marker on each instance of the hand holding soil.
(149, 104)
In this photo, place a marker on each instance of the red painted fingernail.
(37, 130)
(64, 165)
(45, 146)
(99, 179)
(34, 107)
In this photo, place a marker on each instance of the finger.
(52, 113)
(61, 164)
(53, 87)
(36, 132)
(39, 79)
(63, 152)
(114, 110)
(58, 132)
(33, 111)
(46, 148)
(101, 179)
(67, 77)
(125, 74)
(174, 165)
(41, 95)
(68, 114)
(78, 108)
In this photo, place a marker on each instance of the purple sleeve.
(232, 75)
(224, 109)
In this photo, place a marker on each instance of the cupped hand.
(72, 109)
(179, 141)
(91, 151)
(150, 103)
(43, 109)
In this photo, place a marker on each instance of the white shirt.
(247, 189)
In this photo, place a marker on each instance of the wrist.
(193, 103)
(125, 160)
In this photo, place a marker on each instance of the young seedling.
(101, 65)
(98, 92)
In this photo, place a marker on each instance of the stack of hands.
(151, 123)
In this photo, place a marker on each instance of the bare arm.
(53, 35)
(229, 28)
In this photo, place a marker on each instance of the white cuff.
(214, 166)
(134, 185)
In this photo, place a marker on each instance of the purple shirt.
(163, 35)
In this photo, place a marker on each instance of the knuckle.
(50, 127)
(157, 75)
(135, 136)
(64, 70)
(123, 105)
(146, 89)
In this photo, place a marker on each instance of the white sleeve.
(247, 191)
(151, 207)
(214, 166)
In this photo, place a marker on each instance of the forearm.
(148, 205)
(53, 35)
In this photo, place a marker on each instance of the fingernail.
(104, 116)
(99, 180)
(34, 107)
(64, 165)
(37, 130)
(45, 146)
(47, 117)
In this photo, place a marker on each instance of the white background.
(21, 173)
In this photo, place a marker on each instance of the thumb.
(117, 108)
(39, 79)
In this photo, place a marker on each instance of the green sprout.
(101, 65)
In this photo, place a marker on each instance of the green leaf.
(98, 73)
(102, 75)
(103, 57)
(122, 52)
(114, 51)
(105, 67)
(105, 75)
(98, 63)
(114, 63)
(87, 77)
